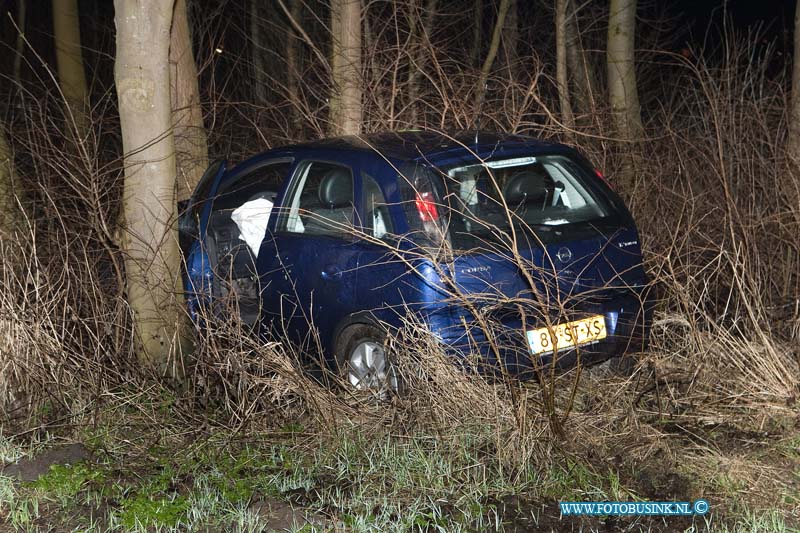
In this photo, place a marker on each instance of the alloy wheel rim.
(368, 368)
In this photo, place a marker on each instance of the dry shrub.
(57, 331)
(68, 335)
(28, 336)
(448, 398)
(723, 245)
(255, 382)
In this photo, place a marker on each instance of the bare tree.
(488, 62)
(19, 49)
(794, 118)
(345, 101)
(257, 50)
(294, 65)
(511, 39)
(7, 202)
(149, 242)
(561, 64)
(71, 77)
(622, 91)
(419, 40)
(581, 72)
(477, 31)
(191, 142)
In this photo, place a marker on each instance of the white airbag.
(251, 218)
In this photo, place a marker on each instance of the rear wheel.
(364, 362)
(623, 365)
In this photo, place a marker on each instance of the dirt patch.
(32, 469)
(282, 516)
(659, 484)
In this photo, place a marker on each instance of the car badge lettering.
(475, 270)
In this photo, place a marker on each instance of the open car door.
(192, 230)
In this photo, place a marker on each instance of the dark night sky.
(744, 12)
(694, 23)
(775, 18)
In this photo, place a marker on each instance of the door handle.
(331, 273)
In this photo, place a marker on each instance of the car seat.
(335, 211)
(529, 189)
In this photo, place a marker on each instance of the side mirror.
(182, 206)
(187, 227)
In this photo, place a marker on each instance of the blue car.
(510, 251)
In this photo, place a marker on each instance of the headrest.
(526, 186)
(336, 189)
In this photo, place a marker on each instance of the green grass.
(16, 509)
(368, 484)
(144, 510)
(64, 482)
(352, 479)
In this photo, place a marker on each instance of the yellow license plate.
(569, 335)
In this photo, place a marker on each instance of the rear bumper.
(628, 319)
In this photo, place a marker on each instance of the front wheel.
(364, 362)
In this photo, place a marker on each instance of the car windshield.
(474, 204)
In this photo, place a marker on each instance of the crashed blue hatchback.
(507, 249)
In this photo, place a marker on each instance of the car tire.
(623, 365)
(364, 361)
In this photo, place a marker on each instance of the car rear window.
(471, 205)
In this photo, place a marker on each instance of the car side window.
(263, 181)
(320, 201)
(377, 219)
(244, 204)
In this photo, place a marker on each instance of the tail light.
(426, 207)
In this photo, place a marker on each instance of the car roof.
(412, 145)
(433, 147)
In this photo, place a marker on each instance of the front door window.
(320, 201)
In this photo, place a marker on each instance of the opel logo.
(564, 254)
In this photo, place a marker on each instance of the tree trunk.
(72, 80)
(477, 31)
(622, 91)
(150, 243)
(293, 68)
(561, 66)
(8, 204)
(191, 142)
(486, 69)
(346, 63)
(794, 118)
(257, 48)
(511, 40)
(20, 44)
(419, 40)
(579, 67)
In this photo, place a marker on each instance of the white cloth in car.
(378, 225)
(251, 218)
